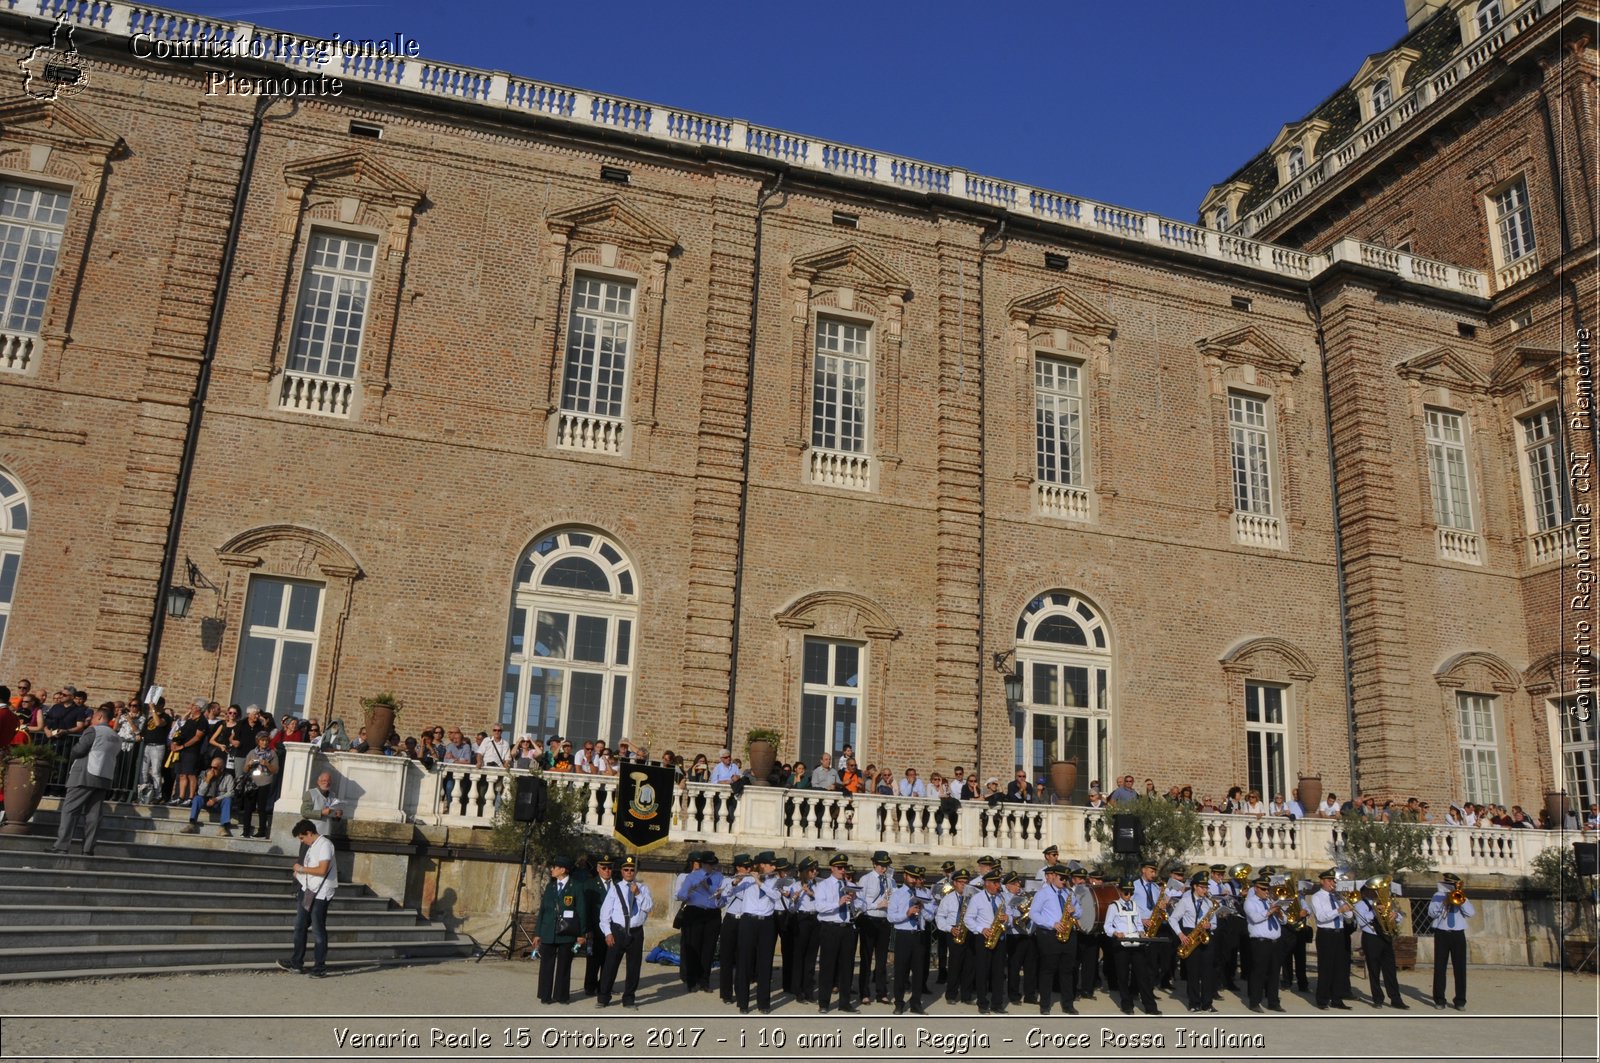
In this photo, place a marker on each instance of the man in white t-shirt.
(494, 751)
(317, 879)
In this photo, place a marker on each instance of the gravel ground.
(463, 1010)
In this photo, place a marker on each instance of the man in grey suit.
(94, 763)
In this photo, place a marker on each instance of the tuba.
(1240, 873)
(1384, 915)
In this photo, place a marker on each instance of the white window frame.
(1250, 450)
(30, 252)
(279, 634)
(1544, 471)
(1448, 469)
(1382, 96)
(1578, 771)
(335, 296)
(604, 308)
(831, 692)
(13, 531)
(1477, 738)
(1489, 14)
(1039, 658)
(1058, 400)
(1295, 162)
(530, 597)
(1221, 218)
(1259, 732)
(840, 447)
(1512, 215)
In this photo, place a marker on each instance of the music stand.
(507, 940)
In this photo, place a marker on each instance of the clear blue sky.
(1141, 105)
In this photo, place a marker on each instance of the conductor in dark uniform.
(563, 915)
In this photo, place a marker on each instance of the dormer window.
(1296, 163)
(1382, 96)
(1488, 16)
(1221, 219)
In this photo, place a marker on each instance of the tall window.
(1266, 738)
(1252, 455)
(1580, 748)
(1064, 658)
(13, 528)
(333, 305)
(31, 222)
(599, 342)
(571, 647)
(1297, 162)
(830, 698)
(279, 648)
(1058, 421)
(1480, 751)
(1382, 96)
(1447, 467)
(1547, 484)
(1513, 221)
(839, 386)
(1489, 15)
(1222, 218)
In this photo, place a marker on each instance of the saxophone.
(958, 933)
(1158, 918)
(1065, 926)
(1199, 935)
(996, 931)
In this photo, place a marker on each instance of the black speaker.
(531, 793)
(1127, 835)
(1588, 856)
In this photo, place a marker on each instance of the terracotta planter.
(763, 755)
(1310, 793)
(1063, 779)
(380, 725)
(24, 787)
(1405, 952)
(1555, 806)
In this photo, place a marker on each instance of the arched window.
(1489, 15)
(1297, 162)
(13, 529)
(1222, 219)
(1382, 96)
(569, 655)
(1064, 658)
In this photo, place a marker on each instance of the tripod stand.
(507, 940)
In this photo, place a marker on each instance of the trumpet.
(1457, 897)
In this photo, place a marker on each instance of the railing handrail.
(505, 92)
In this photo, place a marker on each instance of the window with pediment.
(1251, 380)
(13, 530)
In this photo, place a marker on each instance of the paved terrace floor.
(489, 1010)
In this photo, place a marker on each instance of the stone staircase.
(152, 900)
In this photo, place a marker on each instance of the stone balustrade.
(585, 431)
(840, 468)
(1548, 546)
(396, 790)
(1062, 501)
(1258, 529)
(17, 351)
(315, 393)
(1458, 545)
(647, 122)
(1380, 127)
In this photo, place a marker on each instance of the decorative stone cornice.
(613, 217)
(1452, 674)
(1058, 308)
(1443, 367)
(875, 622)
(331, 558)
(354, 173)
(1250, 346)
(1238, 660)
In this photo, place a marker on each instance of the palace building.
(604, 419)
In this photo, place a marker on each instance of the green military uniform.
(563, 918)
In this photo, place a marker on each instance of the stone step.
(43, 938)
(335, 966)
(178, 913)
(177, 863)
(219, 955)
(93, 878)
(110, 897)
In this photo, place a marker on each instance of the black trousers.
(910, 964)
(1056, 967)
(1333, 966)
(1022, 974)
(1451, 946)
(1228, 952)
(1165, 954)
(1089, 946)
(838, 952)
(791, 954)
(555, 973)
(990, 974)
(595, 962)
(874, 973)
(1136, 973)
(941, 950)
(1381, 972)
(962, 966)
(728, 954)
(1294, 958)
(629, 946)
(1265, 961)
(757, 938)
(807, 942)
(1201, 981)
(699, 946)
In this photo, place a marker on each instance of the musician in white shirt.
(1330, 910)
(1132, 957)
(622, 916)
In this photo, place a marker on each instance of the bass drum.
(1105, 895)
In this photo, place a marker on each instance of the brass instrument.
(1158, 918)
(996, 930)
(958, 933)
(1199, 935)
(1384, 915)
(1457, 897)
(1240, 873)
(1065, 926)
(1295, 915)
(1024, 907)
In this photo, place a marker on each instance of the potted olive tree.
(382, 708)
(1555, 871)
(763, 754)
(27, 772)
(1392, 847)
